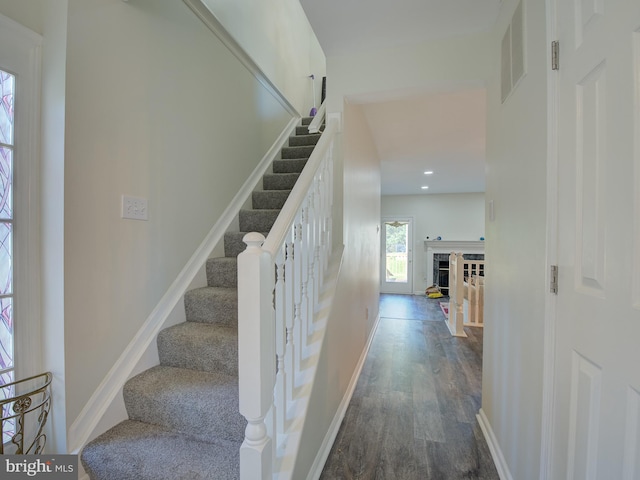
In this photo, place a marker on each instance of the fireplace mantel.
(448, 246)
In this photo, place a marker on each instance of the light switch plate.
(134, 208)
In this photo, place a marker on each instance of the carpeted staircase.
(183, 414)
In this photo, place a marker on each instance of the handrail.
(316, 123)
(279, 284)
(294, 200)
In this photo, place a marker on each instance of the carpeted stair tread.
(159, 396)
(233, 244)
(140, 451)
(222, 272)
(269, 199)
(257, 220)
(279, 181)
(216, 305)
(289, 165)
(297, 152)
(307, 120)
(199, 346)
(304, 140)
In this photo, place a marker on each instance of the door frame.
(550, 318)
(410, 253)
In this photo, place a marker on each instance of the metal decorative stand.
(25, 406)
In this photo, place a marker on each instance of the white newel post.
(256, 356)
(456, 294)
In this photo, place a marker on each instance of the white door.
(397, 255)
(596, 428)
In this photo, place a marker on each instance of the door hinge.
(555, 55)
(554, 279)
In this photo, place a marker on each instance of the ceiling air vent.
(512, 55)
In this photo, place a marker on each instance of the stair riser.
(303, 130)
(216, 352)
(270, 199)
(158, 396)
(217, 306)
(222, 272)
(257, 220)
(289, 166)
(233, 244)
(304, 140)
(279, 181)
(296, 152)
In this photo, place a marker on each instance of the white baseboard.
(323, 453)
(105, 408)
(494, 447)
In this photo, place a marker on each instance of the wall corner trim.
(494, 446)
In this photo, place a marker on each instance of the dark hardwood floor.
(412, 415)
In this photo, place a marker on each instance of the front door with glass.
(397, 256)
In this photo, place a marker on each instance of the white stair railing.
(466, 283)
(279, 280)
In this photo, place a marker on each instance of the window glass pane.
(6, 260)
(6, 333)
(6, 183)
(7, 86)
(397, 248)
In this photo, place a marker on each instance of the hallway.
(412, 414)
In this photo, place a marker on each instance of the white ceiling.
(440, 132)
(414, 132)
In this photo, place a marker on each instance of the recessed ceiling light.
(424, 187)
(428, 172)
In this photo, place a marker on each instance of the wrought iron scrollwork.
(25, 406)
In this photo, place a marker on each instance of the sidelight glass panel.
(397, 248)
(6, 258)
(6, 333)
(7, 87)
(6, 183)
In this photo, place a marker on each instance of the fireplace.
(437, 259)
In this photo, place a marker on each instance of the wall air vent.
(512, 55)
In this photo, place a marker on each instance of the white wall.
(349, 327)
(156, 107)
(455, 216)
(515, 250)
(277, 36)
(30, 14)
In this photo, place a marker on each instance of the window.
(7, 146)
(7, 86)
(20, 327)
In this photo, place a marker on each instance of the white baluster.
(304, 303)
(280, 314)
(290, 281)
